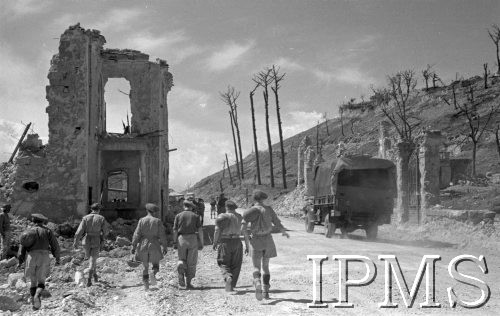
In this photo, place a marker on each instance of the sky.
(330, 52)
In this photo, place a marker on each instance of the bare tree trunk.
(239, 147)
(235, 147)
(474, 153)
(229, 169)
(485, 66)
(317, 137)
(269, 144)
(277, 79)
(342, 121)
(255, 138)
(497, 139)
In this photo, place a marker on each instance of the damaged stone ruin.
(82, 162)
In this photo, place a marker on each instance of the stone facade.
(80, 155)
(300, 159)
(309, 158)
(429, 170)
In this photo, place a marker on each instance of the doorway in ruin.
(118, 108)
(123, 185)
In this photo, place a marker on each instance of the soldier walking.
(37, 243)
(94, 228)
(228, 244)
(5, 233)
(261, 218)
(221, 204)
(150, 240)
(188, 239)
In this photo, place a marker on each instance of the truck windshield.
(365, 178)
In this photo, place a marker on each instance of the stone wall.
(73, 169)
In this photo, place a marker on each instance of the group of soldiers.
(149, 243)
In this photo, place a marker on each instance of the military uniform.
(187, 227)
(261, 219)
(94, 228)
(149, 238)
(36, 245)
(229, 250)
(5, 233)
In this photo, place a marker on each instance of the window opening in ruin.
(31, 186)
(118, 109)
(117, 186)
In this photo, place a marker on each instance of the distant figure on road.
(221, 204)
(94, 228)
(213, 210)
(188, 239)
(5, 233)
(150, 240)
(228, 244)
(37, 243)
(261, 218)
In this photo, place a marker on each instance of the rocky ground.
(120, 290)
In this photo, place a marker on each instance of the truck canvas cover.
(326, 174)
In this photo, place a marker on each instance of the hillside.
(361, 137)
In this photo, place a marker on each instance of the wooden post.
(229, 169)
(19, 142)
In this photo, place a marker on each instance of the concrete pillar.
(429, 170)
(309, 157)
(306, 141)
(404, 150)
(384, 139)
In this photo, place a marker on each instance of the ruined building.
(83, 163)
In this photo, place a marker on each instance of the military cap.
(189, 203)
(6, 207)
(259, 195)
(150, 207)
(37, 217)
(252, 214)
(231, 205)
(96, 207)
(222, 221)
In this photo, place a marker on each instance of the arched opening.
(117, 186)
(118, 109)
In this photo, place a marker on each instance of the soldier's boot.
(266, 286)
(32, 295)
(145, 280)
(188, 283)
(181, 272)
(96, 278)
(229, 284)
(153, 280)
(258, 285)
(37, 301)
(89, 279)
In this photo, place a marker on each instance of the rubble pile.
(6, 180)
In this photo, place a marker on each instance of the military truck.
(351, 192)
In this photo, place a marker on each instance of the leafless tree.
(477, 123)
(341, 112)
(497, 137)
(317, 137)
(229, 170)
(427, 74)
(485, 67)
(264, 79)
(235, 146)
(395, 102)
(326, 123)
(277, 78)
(495, 37)
(230, 97)
(255, 135)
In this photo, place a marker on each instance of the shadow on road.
(297, 301)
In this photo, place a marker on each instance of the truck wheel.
(371, 232)
(309, 225)
(329, 227)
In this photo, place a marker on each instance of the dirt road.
(291, 279)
